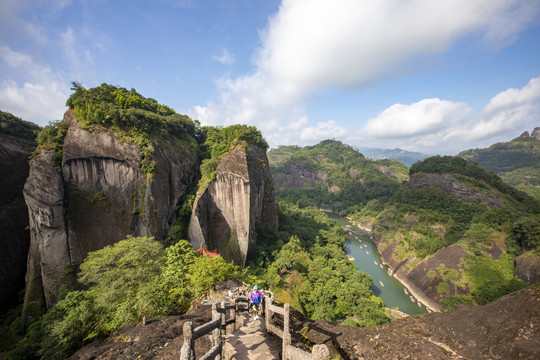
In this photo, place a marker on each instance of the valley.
(367, 258)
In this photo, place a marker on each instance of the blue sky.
(431, 76)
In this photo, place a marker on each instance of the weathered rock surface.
(452, 186)
(298, 177)
(423, 278)
(100, 196)
(14, 236)
(507, 328)
(226, 213)
(49, 252)
(528, 267)
(160, 338)
(386, 171)
(536, 133)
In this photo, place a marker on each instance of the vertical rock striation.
(99, 196)
(226, 213)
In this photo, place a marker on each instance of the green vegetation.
(424, 221)
(133, 118)
(305, 262)
(218, 141)
(11, 125)
(345, 179)
(475, 174)
(117, 285)
(51, 137)
(517, 162)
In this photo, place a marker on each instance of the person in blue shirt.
(256, 299)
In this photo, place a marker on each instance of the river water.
(367, 259)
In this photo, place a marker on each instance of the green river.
(367, 259)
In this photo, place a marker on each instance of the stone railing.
(218, 324)
(319, 352)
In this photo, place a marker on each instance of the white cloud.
(511, 110)
(446, 127)
(39, 103)
(40, 98)
(430, 125)
(322, 131)
(226, 58)
(421, 118)
(310, 45)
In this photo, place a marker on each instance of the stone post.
(216, 335)
(286, 328)
(268, 312)
(320, 352)
(185, 352)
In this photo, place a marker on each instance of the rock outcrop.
(536, 133)
(528, 267)
(451, 185)
(100, 196)
(299, 176)
(226, 213)
(14, 235)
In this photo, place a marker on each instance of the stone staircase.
(250, 341)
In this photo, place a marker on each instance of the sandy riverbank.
(419, 294)
(413, 289)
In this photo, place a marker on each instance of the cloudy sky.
(432, 76)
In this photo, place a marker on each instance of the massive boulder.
(528, 267)
(14, 235)
(99, 196)
(226, 213)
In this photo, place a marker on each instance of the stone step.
(251, 342)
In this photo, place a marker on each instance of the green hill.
(332, 174)
(517, 162)
(455, 231)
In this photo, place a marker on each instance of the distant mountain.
(517, 162)
(404, 156)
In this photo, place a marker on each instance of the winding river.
(367, 259)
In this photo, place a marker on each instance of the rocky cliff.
(453, 185)
(14, 235)
(99, 196)
(226, 213)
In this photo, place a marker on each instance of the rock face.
(14, 236)
(226, 213)
(536, 133)
(299, 177)
(98, 198)
(450, 184)
(528, 267)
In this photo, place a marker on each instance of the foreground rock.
(160, 338)
(229, 209)
(93, 197)
(507, 328)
